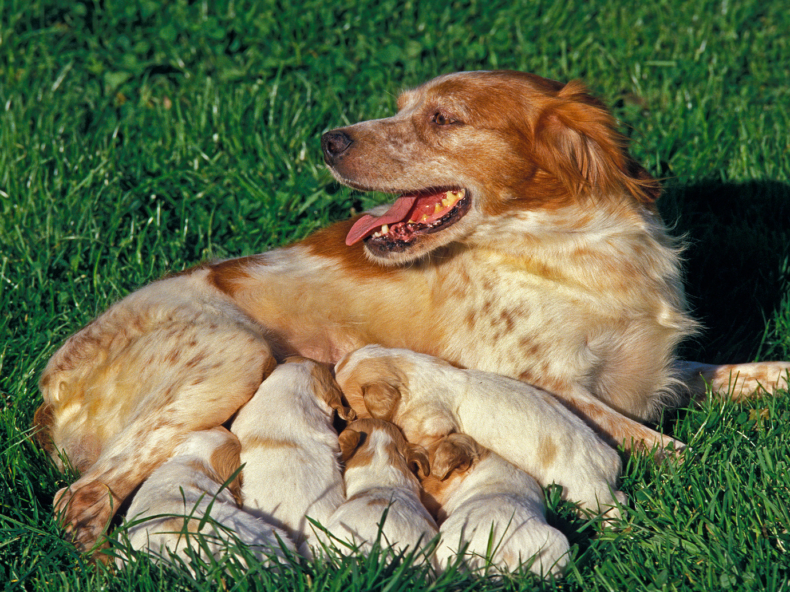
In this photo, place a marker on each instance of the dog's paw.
(84, 512)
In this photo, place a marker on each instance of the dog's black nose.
(334, 144)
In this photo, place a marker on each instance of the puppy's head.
(363, 439)
(452, 458)
(374, 382)
(325, 386)
(466, 147)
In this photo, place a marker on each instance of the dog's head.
(470, 146)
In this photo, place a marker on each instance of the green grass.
(140, 137)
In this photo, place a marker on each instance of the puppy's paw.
(84, 512)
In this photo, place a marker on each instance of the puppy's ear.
(381, 399)
(225, 462)
(349, 440)
(452, 454)
(417, 459)
(330, 391)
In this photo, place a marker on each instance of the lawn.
(138, 138)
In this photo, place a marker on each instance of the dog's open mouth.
(412, 214)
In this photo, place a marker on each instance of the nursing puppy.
(290, 450)
(428, 399)
(379, 476)
(483, 502)
(191, 503)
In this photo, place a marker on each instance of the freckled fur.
(561, 274)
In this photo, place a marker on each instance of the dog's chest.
(505, 320)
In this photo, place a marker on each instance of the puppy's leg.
(162, 385)
(734, 381)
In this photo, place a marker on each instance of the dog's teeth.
(424, 218)
(437, 208)
(385, 229)
(410, 221)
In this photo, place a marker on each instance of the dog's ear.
(381, 399)
(349, 440)
(417, 460)
(453, 454)
(577, 142)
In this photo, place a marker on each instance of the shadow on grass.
(737, 251)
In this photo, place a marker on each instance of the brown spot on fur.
(196, 359)
(547, 450)
(506, 317)
(258, 442)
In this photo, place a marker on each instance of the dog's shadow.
(736, 263)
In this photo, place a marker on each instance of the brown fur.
(355, 449)
(559, 272)
(225, 462)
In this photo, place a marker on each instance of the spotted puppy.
(290, 450)
(428, 399)
(380, 476)
(490, 510)
(190, 502)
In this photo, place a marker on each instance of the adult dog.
(524, 241)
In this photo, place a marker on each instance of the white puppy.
(185, 504)
(490, 509)
(379, 476)
(428, 399)
(290, 450)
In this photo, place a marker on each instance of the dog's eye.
(440, 118)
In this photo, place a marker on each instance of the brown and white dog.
(380, 476)
(429, 399)
(191, 502)
(490, 510)
(290, 450)
(524, 241)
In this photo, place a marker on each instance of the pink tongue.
(367, 223)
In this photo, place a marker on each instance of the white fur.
(509, 417)
(289, 453)
(500, 505)
(179, 488)
(373, 488)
